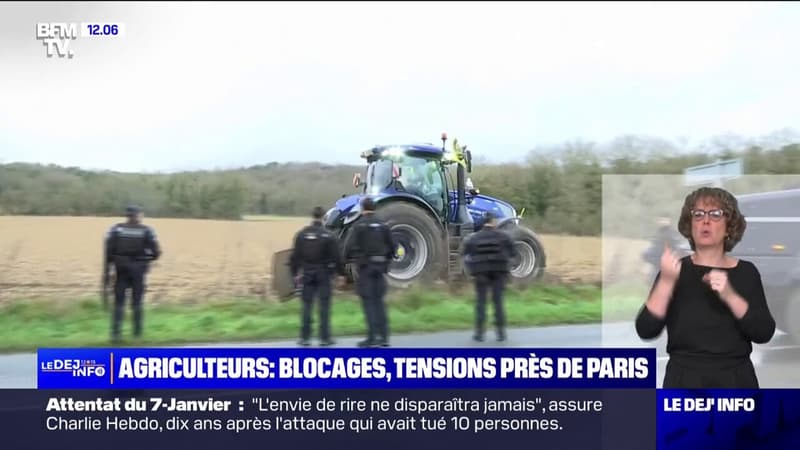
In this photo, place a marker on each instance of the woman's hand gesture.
(670, 264)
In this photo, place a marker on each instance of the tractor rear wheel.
(420, 245)
(528, 259)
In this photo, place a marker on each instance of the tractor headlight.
(330, 217)
(351, 216)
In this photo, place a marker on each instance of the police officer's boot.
(478, 336)
(368, 342)
(501, 334)
(305, 338)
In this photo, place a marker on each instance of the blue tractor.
(429, 213)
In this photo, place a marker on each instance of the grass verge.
(26, 325)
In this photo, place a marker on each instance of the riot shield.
(282, 283)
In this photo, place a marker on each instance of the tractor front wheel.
(419, 250)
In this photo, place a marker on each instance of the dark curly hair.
(727, 202)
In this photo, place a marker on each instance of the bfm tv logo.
(56, 37)
(77, 367)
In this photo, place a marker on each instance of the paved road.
(777, 363)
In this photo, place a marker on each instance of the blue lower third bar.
(238, 368)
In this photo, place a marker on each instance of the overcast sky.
(265, 82)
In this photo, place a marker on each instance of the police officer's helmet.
(132, 210)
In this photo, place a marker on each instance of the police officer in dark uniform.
(487, 255)
(316, 253)
(374, 249)
(130, 247)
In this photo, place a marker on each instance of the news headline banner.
(588, 419)
(238, 368)
(723, 419)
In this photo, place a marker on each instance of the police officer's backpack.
(374, 242)
(313, 244)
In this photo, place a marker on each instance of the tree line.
(560, 189)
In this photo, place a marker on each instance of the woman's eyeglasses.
(715, 214)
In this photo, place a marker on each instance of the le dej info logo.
(74, 368)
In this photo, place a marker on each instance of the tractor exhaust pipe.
(462, 216)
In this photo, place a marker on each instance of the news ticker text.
(302, 414)
(465, 418)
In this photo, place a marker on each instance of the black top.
(131, 242)
(701, 328)
(372, 238)
(315, 247)
(488, 250)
